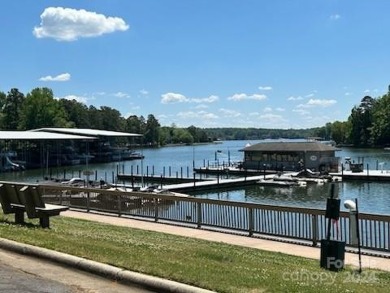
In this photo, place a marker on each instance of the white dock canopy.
(32, 135)
(87, 132)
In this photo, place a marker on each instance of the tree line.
(367, 126)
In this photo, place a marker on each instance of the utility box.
(332, 254)
(332, 251)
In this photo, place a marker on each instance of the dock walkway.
(368, 175)
(217, 183)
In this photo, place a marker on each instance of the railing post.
(61, 194)
(250, 222)
(199, 206)
(119, 206)
(155, 202)
(314, 226)
(88, 202)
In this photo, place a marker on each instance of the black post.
(329, 210)
(358, 236)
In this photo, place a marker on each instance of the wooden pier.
(213, 184)
(366, 175)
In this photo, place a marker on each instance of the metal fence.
(302, 224)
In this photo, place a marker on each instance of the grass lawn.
(210, 265)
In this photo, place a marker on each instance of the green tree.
(40, 109)
(112, 119)
(133, 125)
(339, 132)
(181, 135)
(361, 122)
(198, 135)
(11, 109)
(380, 131)
(3, 97)
(94, 118)
(77, 113)
(152, 133)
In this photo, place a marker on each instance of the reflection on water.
(372, 197)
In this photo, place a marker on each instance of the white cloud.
(241, 97)
(280, 109)
(265, 88)
(292, 98)
(179, 98)
(301, 112)
(170, 98)
(210, 99)
(195, 115)
(67, 24)
(201, 106)
(80, 99)
(229, 113)
(99, 94)
(321, 103)
(144, 92)
(300, 106)
(121, 95)
(335, 16)
(317, 103)
(267, 109)
(60, 77)
(269, 117)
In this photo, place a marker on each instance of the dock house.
(291, 156)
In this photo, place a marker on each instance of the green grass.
(210, 265)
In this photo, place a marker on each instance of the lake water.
(373, 197)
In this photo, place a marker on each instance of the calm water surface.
(373, 197)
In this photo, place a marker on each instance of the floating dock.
(213, 184)
(367, 175)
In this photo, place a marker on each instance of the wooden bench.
(28, 199)
(11, 203)
(36, 207)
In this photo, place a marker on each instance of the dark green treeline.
(368, 124)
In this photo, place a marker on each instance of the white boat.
(277, 183)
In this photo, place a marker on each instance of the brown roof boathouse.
(291, 156)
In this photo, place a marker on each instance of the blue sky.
(207, 63)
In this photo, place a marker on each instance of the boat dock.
(159, 179)
(213, 184)
(178, 184)
(367, 175)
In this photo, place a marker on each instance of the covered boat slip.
(291, 156)
(46, 147)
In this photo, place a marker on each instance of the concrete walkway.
(368, 261)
